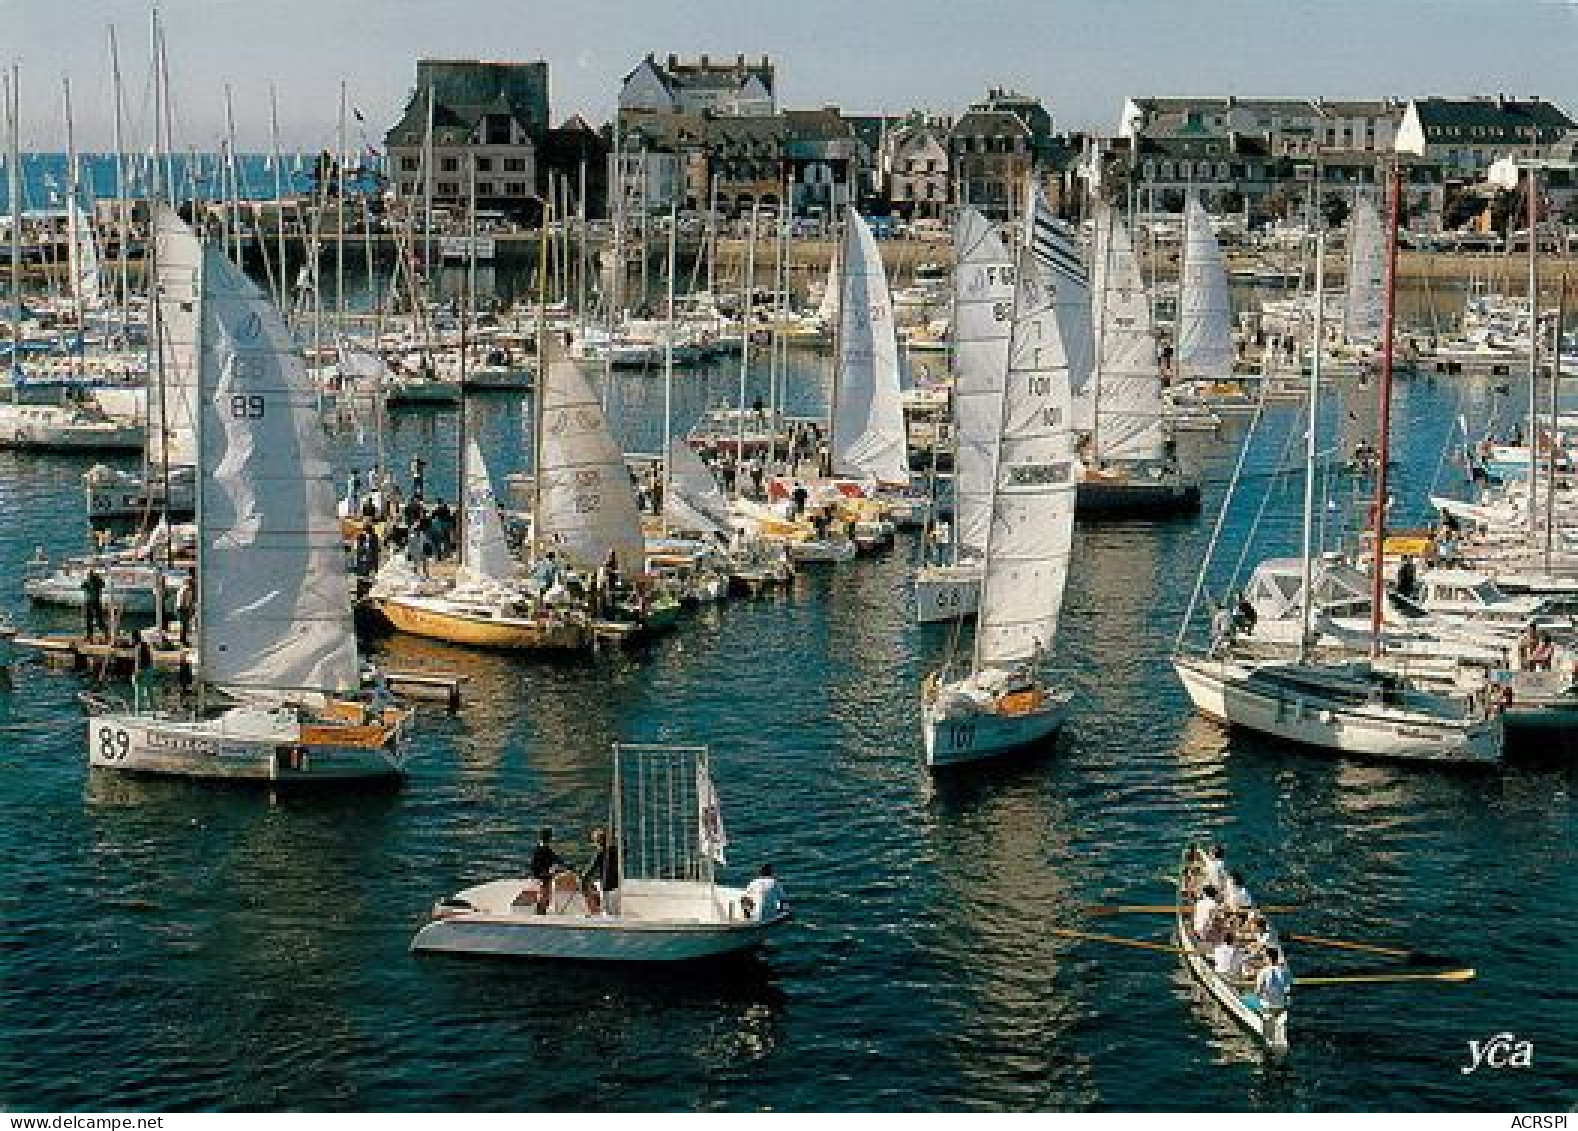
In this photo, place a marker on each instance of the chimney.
(739, 61)
(673, 62)
(704, 62)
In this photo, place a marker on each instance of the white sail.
(86, 282)
(693, 500)
(827, 309)
(869, 439)
(1205, 347)
(172, 386)
(983, 304)
(1363, 311)
(273, 609)
(1128, 383)
(1061, 271)
(1032, 527)
(485, 554)
(586, 503)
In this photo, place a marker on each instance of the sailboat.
(277, 664)
(486, 603)
(1006, 701)
(1205, 351)
(1129, 466)
(983, 296)
(660, 899)
(1351, 708)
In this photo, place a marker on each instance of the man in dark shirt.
(544, 863)
(600, 880)
(93, 606)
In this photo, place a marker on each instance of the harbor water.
(176, 946)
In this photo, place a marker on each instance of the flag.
(713, 838)
(358, 114)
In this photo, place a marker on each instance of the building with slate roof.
(488, 119)
(1467, 135)
(993, 148)
(726, 87)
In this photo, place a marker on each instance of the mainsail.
(85, 277)
(1061, 271)
(1362, 313)
(1205, 347)
(1032, 527)
(172, 387)
(485, 553)
(869, 440)
(586, 504)
(1128, 382)
(693, 500)
(271, 563)
(983, 301)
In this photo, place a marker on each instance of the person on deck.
(1237, 897)
(185, 608)
(443, 520)
(1407, 577)
(764, 896)
(1216, 866)
(547, 572)
(607, 584)
(600, 878)
(93, 619)
(545, 864)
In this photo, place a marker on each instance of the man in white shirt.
(764, 896)
(1228, 959)
(1216, 866)
(1238, 897)
(1205, 912)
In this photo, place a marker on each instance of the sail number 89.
(113, 744)
(243, 407)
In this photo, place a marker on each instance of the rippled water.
(176, 946)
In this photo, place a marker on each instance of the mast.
(1550, 451)
(746, 310)
(1383, 425)
(13, 111)
(73, 220)
(1534, 351)
(339, 223)
(282, 295)
(468, 300)
(540, 390)
(1313, 412)
(668, 359)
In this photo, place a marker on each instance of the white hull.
(247, 744)
(1270, 1028)
(1223, 690)
(947, 593)
(956, 733)
(821, 550)
(659, 921)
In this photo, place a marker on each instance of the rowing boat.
(1237, 996)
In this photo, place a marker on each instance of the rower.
(1228, 958)
(1205, 913)
(1271, 987)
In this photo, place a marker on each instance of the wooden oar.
(1416, 957)
(1116, 941)
(1165, 909)
(1391, 976)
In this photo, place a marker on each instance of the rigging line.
(1265, 501)
(1221, 522)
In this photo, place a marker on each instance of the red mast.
(1384, 428)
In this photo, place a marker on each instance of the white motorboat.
(663, 903)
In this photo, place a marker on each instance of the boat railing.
(98, 703)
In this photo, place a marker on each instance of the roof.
(466, 90)
(1491, 121)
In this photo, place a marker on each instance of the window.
(449, 164)
(409, 164)
(514, 188)
(484, 164)
(514, 164)
(447, 188)
(484, 188)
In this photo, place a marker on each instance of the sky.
(1081, 57)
